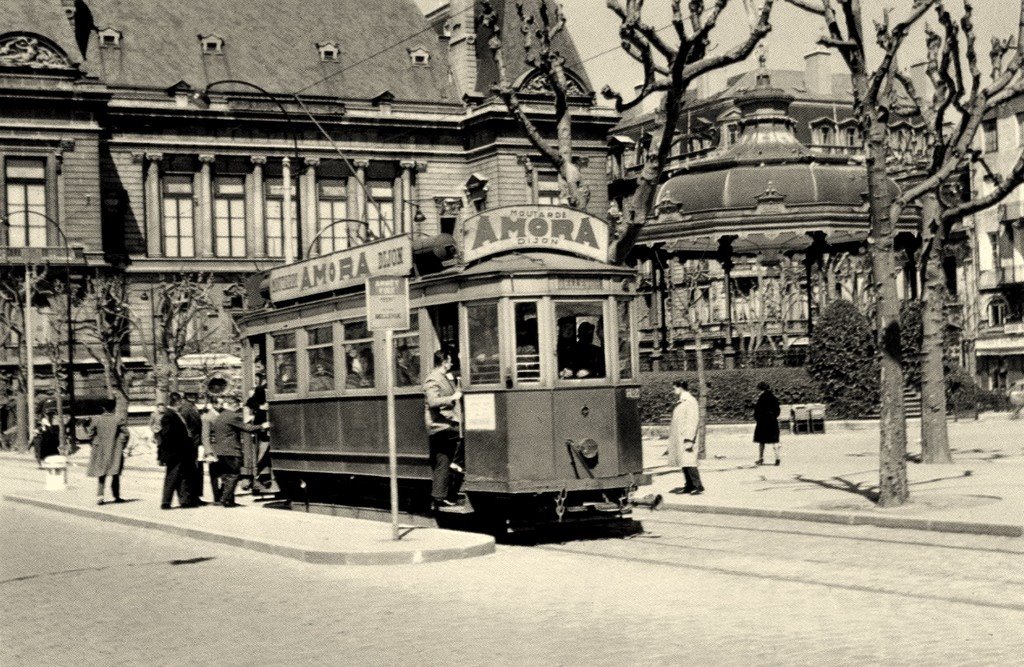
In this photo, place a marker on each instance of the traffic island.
(312, 538)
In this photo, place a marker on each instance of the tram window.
(407, 355)
(285, 375)
(527, 343)
(625, 342)
(320, 350)
(580, 347)
(358, 356)
(484, 362)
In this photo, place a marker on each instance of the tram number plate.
(573, 283)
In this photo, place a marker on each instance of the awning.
(997, 347)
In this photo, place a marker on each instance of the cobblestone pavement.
(691, 589)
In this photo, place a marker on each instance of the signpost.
(387, 309)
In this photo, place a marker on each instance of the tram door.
(445, 320)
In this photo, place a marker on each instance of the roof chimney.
(818, 73)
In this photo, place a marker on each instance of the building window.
(420, 57)
(990, 133)
(26, 202)
(358, 356)
(320, 352)
(285, 371)
(212, 44)
(110, 38)
(329, 51)
(996, 312)
(732, 133)
(549, 190)
(382, 216)
(275, 218)
(229, 216)
(179, 221)
(852, 135)
(407, 354)
(332, 195)
(824, 135)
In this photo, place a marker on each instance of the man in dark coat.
(194, 423)
(766, 414)
(47, 438)
(178, 454)
(226, 436)
(109, 436)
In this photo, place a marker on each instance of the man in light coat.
(683, 437)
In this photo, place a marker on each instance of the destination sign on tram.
(345, 268)
(534, 227)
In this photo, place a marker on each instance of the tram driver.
(443, 414)
(578, 355)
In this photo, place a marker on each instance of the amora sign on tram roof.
(344, 268)
(532, 227)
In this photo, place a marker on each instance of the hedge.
(732, 394)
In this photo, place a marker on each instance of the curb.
(485, 544)
(857, 519)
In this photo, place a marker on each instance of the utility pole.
(30, 377)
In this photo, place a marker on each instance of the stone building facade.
(162, 140)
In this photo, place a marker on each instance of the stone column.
(257, 232)
(361, 165)
(308, 204)
(154, 229)
(204, 215)
(287, 230)
(404, 199)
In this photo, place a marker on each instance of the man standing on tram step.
(683, 437)
(194, 423)
(766, 414)
(226, 436)
(443, 414)
(176, 451)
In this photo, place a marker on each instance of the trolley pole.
(389, 384)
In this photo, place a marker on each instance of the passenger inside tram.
(580, 351)
(589, 357)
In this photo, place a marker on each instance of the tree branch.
(999, 192)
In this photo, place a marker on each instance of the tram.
(544, 326)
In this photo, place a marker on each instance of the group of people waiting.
(185, 439)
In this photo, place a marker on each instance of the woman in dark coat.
(109, 437)
(766, 414)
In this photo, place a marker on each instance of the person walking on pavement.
(226, 436)
(46, 441)
(194, 423)
(766, 416)
(209, 453)
(109, 433)
(178, 454)
(443, 414)
(683, 437)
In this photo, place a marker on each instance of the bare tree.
(538, 31)
(181, 304)
(12, 328)
(873, 106)
(106, 323)
(953, 116)
(670, 66)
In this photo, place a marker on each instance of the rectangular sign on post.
(387, 303)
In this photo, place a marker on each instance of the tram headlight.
(588, 451)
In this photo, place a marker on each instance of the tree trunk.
(892, 487)
(702, 395)
(23, 435)
(934, 432)
(163, 374)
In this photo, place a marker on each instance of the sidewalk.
(833, 477)
(313, 538)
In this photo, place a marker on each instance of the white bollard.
(56, 468)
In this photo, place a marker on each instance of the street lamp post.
(28, 333)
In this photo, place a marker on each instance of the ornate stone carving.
(29, 51)
(448, 207)
(537, 84)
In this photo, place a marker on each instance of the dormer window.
(419, 56)
(329, 51)
(212, 44)
(110, 38)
